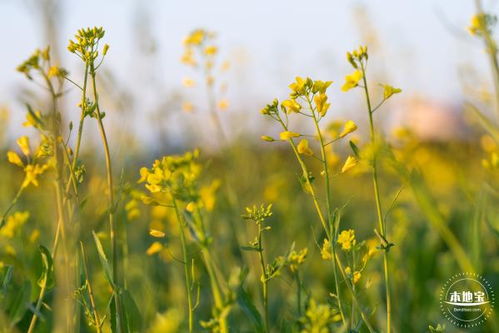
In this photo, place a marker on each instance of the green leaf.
(355, 149)
(46, 279)
(103, 259)
(32, 113)
(19, 303)
(131, 312)
(6, 279)
(249, 309)
(250, 248)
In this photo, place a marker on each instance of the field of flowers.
(313, 225)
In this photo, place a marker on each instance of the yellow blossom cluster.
(32, 165)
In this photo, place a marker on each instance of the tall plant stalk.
(379, 210)
(113, 230)
(187, 277)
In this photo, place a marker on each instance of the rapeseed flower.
(347, 239)
(352, 80)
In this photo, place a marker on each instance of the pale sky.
(422, 42)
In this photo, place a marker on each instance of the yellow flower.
(23, 143)
(188, 58)
(326, 250)
(298, 86)
(389, 91)
(191, 207)
(290, 105)
(478, 24)
(320, 86)
(144, 172)
(187, 107)
(355, 276)
(303, 148)
(132, 209)
(349, 127)
(267, 138)
(188, 82)
(33, 237)
(156, 233)
(13, 223)
(54, 71)
(223, 104)
(371, 247)
(31, 174)
(286, 135)
(154, 248)
(321, 103)
(352, 80)
(14, 158)
(347, 239)
(349, 164)
(195, 38)
(32, 119)
(295, 259)
(210, 50)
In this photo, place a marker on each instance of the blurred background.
(420, 46)
(156, 105)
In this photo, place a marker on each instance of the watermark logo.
(467, 300)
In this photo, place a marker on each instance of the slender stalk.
(265, 280)
(491, 48)
(90, 292)
(213, 276)
(72, 165)
(113, 230)
(38, 306)
(298, 293)
(352, 315)
(186, 268)
(381, 222)
(12, 205)
(354, 297)
(212, 108)
(319, 212)
(60, 229)
(215, 288)
(325, 166)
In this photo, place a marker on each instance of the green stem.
(264, 280)
(381, 222)
(319, 213)
(12, 205)
(332, 227)
(112, 225)
(298, 293)
(186, 268)
(60, 229)
(215, 288)
(491, 49)
(90, 292)
(354, 297)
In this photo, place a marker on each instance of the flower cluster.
(482, 24)
(319, 317)
(258, 214)
(40, 62)
(86, 44)
(296, 258)
(200, 53)
(34, 164)
(176, 175)
(347, 239)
